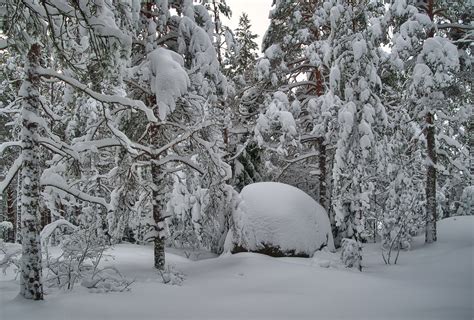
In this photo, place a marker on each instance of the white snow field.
(429, 282)
(282, 216)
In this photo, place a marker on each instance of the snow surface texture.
(281, 216)
(429, 282)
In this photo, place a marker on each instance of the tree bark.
(431, 214)
(322, 174)
(11, 214)
(156, 176)
(18, 210)
(31, 286)
(217, 24)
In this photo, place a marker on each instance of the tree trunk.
(156, 176)
(11, 214)
(431, 214)
(18, 210)
(323, 199)
(31, 286)
(217, 24)
(322, 174)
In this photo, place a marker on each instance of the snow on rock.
(279, 219)
(170, 80)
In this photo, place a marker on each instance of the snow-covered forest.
(156, 163)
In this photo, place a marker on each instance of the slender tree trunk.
(18, 210)
(322, 149)
(322, 174)
(159, 242)
(11, 214)
(431, 214)
(156, 176)
(217, 23)
(31, 286)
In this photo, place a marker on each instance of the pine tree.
(326, 55)
(247, 48)
(417, 41)
(39, 118)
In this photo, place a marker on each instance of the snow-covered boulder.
(279, 220)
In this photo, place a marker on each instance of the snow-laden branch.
(49, 229)
(3, 44)
(291, 86)
(10, 107)
(53, 143)
(5, 145)
(456, 163)
(297, 159)
(135, 104)
(455, 26)
(122, 138)
(453, 143)
(58, 147)
(176, 158)
(240, 151)
(11, 174)
(181, 138)
(303, 157)
(223, 168)
(56, 181)
(94, 145)
(50, 113)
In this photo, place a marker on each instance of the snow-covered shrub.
(351, 253)
(171, 276)
(199, 217)
(10, 254)
(81, 254)
(466, 202)
(184, 209)
(217, 216)
(106, 279)
(5, 227)
(279, 220)
(397, 232)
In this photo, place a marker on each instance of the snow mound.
(279, 220)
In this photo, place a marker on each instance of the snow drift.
(279, 220)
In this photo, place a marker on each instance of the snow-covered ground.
(429, 282)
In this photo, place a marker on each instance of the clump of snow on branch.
(169, 80)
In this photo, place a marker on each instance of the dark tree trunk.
(31, 286)
(45, 216)
(323, 199)
(18, 210)
(431, 213)
(11, 214)
(217, 24)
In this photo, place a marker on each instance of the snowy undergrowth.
(429, 282)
